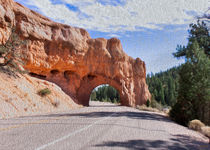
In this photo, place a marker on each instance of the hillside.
(19, 96)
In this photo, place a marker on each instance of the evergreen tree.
(194, 84)
(171, 92)
(198, 32)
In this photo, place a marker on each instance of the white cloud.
(133, 15)
(113, 35)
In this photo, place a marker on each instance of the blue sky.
(148, 29)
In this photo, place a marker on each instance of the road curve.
(100, 126)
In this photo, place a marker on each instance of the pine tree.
(200, 33)
(194, 83)
(171, 95)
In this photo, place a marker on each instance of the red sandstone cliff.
(69, 57)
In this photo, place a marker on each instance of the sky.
(148, 29)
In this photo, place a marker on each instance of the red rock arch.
(69, 57)
(90, 82)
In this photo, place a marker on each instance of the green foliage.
(194, 84)
(105, 94)
(164, 86)
(93, 95)
(8, 52)
(199, 32)
(44, 92)
(177, 112)
(148, 103)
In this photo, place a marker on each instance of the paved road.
(101, 126)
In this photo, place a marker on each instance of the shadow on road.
(105, 105)
(179, 142)
(128, 114)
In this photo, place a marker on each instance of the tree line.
(105, 93)
(164, 86)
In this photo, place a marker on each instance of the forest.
(164, 86)
(105, 93)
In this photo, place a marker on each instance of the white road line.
(72, 133)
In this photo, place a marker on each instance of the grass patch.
(156, 105)
(145, 108)
(44, 92)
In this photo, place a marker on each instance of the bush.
(179, 114)
(44, 92)
(148, 103)
(196, 125)
(155, 104)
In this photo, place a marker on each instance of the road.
(100, 126)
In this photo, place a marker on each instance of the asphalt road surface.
(100, 126)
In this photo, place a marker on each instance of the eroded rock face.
(69, 57)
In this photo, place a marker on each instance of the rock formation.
(69, 57)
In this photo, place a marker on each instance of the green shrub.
(180, 117)
(44, 92)
(148, 103)
(182, 113)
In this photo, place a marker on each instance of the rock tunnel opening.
(92, 81)
(105, 93)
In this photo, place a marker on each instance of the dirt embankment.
(19, 96)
